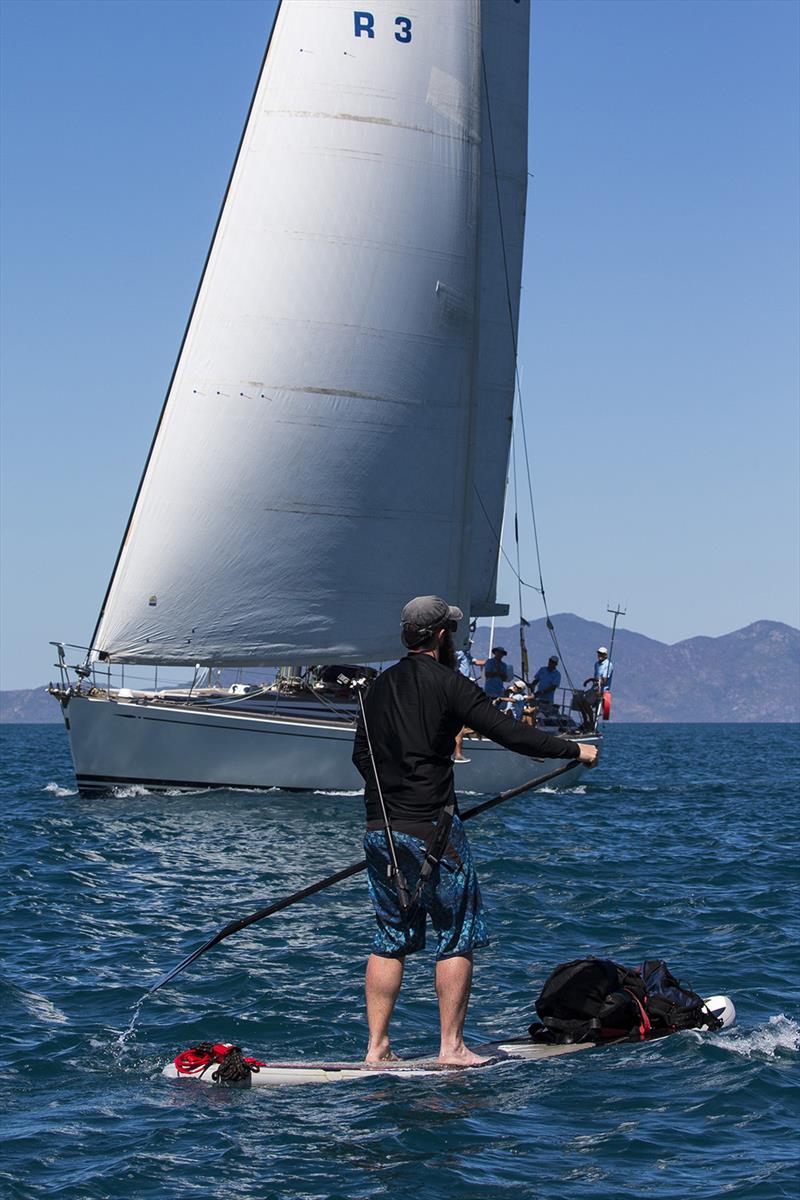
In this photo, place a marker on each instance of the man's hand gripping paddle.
(345, 873)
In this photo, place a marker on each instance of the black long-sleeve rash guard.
(414, 711)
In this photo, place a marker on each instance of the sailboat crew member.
(413, 712)
(496, 673)
(466, 665)
(603, 670)
(546, 680)
(514, 703)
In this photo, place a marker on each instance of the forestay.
(314, 459)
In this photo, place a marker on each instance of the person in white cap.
(603, 670)
(414, 710)
(514, 703)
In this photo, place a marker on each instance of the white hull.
(120, 742)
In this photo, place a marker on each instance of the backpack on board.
(671, 1004)
(589, 999)
(595, 999)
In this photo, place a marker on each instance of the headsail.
(312, 463)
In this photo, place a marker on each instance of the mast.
(618, 612)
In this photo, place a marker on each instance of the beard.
(447, 651)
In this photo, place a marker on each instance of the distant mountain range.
(29, 706)
(750, 675)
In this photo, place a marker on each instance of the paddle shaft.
(345, 873)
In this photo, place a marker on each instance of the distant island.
(750, 675)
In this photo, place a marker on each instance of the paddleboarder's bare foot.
(382, 984)
(381, 1053)
(461, 1056)
(453, 980)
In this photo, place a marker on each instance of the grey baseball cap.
(429, 612)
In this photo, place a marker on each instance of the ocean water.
(682, 845)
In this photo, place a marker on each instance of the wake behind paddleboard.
(509, 1050)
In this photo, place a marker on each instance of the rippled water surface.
(683, 845)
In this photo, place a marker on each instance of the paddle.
(345, 873)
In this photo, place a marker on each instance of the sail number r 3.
(364, 23)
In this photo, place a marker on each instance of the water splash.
(779, 1034)
(55, 789)
(131, 791)
(329, 792)
(124, 1038)
(578, 790)
(176, 791)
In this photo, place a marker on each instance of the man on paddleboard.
(414, 710)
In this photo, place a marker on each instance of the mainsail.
(314, 461)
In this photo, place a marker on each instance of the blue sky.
(659, 334)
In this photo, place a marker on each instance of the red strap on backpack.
(645, 1026)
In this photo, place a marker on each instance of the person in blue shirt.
(496, 673)
(465, 663)
(514, 704)
(546, 680)
(603, 670)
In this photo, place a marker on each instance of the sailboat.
(335, 435)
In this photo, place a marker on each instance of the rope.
(337, 712)
(500, 545)
(512, 330)
(233, 1068)
(229, 1063)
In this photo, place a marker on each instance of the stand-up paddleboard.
(509, 1050)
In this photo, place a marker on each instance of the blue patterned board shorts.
(451, 897)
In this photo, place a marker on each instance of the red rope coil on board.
(229, 1063)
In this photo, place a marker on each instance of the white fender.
(722, 1008)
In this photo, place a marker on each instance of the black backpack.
(590, 999)
(671, 1004)
(594, 999)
